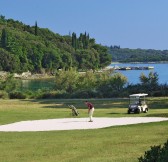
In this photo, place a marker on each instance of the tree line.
(31, 48)
(137, 55)
(82, 42)
(72, 84)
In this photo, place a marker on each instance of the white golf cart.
(137, 103)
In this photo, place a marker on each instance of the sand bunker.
(75, 123)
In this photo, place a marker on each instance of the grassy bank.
(113, 144)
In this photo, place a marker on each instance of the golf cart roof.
(138, 95)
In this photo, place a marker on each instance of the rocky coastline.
(25, 75)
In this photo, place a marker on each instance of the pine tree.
(36, 29)
(74, 41)
(4, 38)
(87, 41)
(84, 41)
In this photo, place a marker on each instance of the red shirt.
(89, 105)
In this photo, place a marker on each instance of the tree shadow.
(158, 115)
(79, 103)
(116, 113)
(110, 103)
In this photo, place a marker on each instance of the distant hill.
(31, 48)
(137, 55)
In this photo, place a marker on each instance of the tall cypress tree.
(87, 41)
(4, 40)
(36, 29)
(74, 41)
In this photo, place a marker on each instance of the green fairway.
(113, 144)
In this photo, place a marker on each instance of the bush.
(156, 154)
(46, 95)
(3, 94)
(29, 94)
(61, 94)
(17, 95)
(85, 94)
(51, 94)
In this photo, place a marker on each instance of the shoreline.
(29, 76)
(157, 62)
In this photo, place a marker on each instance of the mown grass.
(113, 144)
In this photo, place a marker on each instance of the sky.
(127, 23)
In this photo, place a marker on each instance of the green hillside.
(137, 55)
(31, 48)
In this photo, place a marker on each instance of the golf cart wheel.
(129, 111)
(138, 111)
(146, 110)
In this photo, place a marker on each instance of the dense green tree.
(150, 82)
(117, 81)
(104, 57)
(8, 62)
(103, 83)
(35, 56)
(111, 85)
(88, 81)
(66, 61)
(29, 51)
(66, 80)
(9, 83)
(51, 60)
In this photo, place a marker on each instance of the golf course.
(124, 143)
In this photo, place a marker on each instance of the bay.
(133, 75)
(37, 84)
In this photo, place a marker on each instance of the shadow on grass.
(79, 103)
(116, 113)
(158, 115)
(153, 103)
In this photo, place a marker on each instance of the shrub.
(156, 154)
(46, 95)
(3, 94)
(62, 94)
(85, 94)
(17, 95)
(29, 94)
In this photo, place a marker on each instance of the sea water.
(133, 75)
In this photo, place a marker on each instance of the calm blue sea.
(133, 75)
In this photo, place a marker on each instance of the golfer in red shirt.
(90, 110)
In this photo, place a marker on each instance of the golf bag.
(74, 110)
